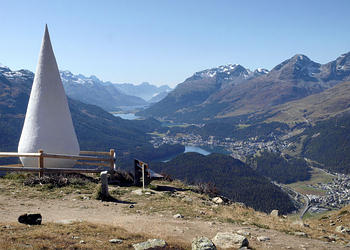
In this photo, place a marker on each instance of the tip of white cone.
(46, 33)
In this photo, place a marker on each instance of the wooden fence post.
(41, 163)
(111, 155)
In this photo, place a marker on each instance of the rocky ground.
(152, 215)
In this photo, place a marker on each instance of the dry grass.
(197, 206)
(174, 198)
(13, 185)
(72, 236)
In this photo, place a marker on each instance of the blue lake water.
(190, 149)
(127, 116)
(196, 149)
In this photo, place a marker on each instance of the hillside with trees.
(232, 178)
(328, 142)
(283, 169)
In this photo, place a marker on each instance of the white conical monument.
(48, 123)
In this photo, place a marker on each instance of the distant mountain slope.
(145, 90)
(92, 90)
(233, 90)
(158, 97)
(197, 89)
(321, 106)
(233, 178)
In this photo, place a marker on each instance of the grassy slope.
(315, 107)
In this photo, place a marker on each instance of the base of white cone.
(48, 163)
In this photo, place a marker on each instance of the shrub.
(207, 188)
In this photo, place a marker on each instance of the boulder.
(274, 213)
(30, 219)
(217, 200)
(150, 244)
(229, 240)
(203, 243)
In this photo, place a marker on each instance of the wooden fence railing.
(84, 158)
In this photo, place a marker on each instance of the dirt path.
(156, 225)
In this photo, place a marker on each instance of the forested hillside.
(283, 169)
(328, 142)
(233, 178)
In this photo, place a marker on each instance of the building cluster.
(337, 193)
(237, 148)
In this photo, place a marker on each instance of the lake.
(190, 149)
(196, 150)
(127, 116)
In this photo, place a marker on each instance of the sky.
(166, 41)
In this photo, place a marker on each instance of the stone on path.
(302, 234)
(263, 238)
(178, 216)
(150, 244)
(116, 241)
(244, 233)
(202, 243)
(229, 240)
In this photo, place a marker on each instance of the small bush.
(207, 188)
(152, 187)
(121, 178)
(167, 177)
(58, 181)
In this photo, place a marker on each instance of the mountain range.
(233, 90)
(110, 96)
(96, 128)
(145, 90)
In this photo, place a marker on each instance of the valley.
(238, 149)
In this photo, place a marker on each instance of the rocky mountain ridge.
(233, 90)
(92, 90)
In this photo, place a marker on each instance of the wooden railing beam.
(15, 154)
